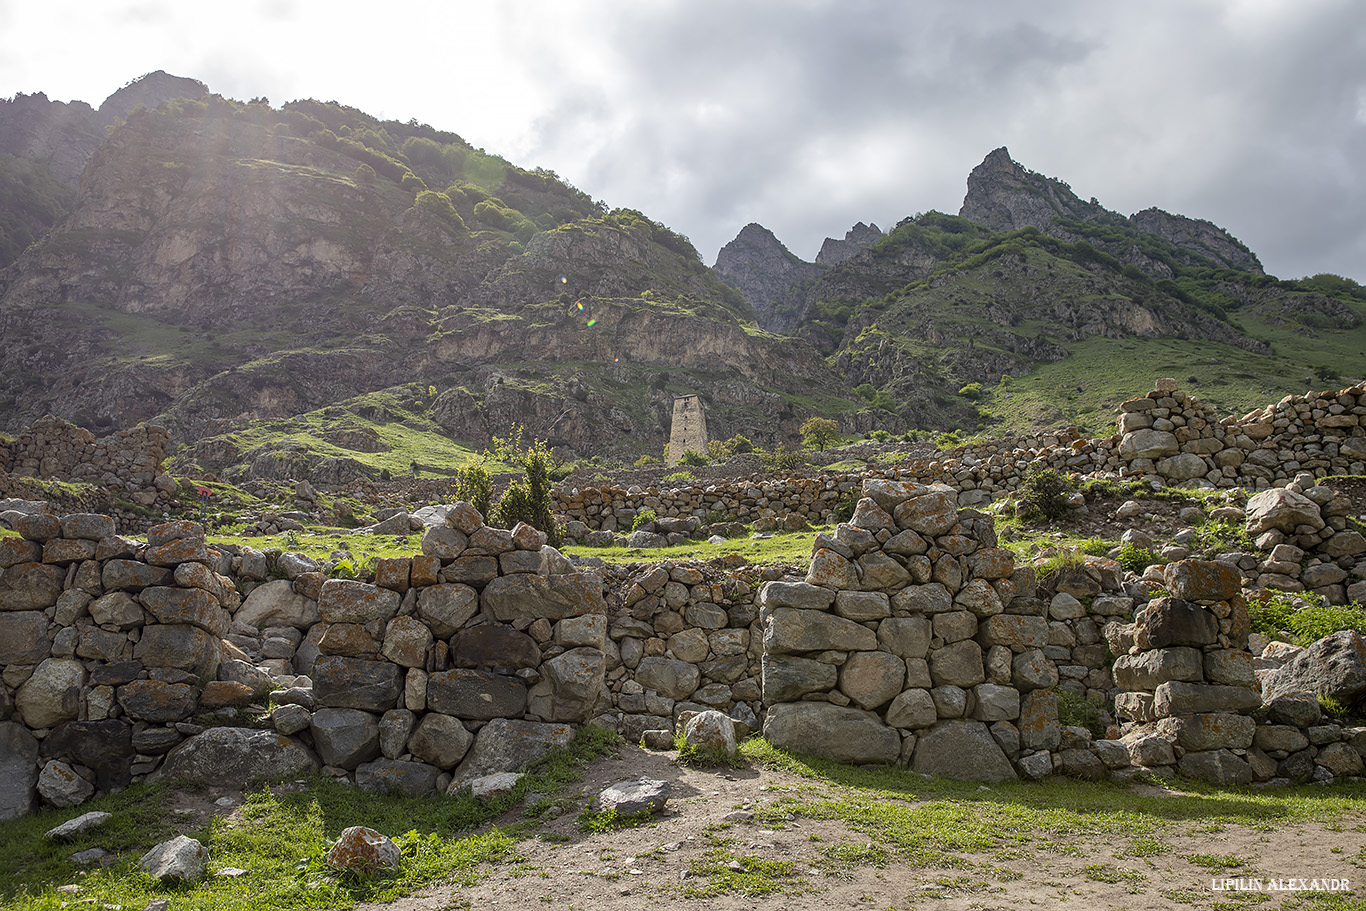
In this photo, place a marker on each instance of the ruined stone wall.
(1164, 436)
(110, 650)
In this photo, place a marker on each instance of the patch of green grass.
(279, 836)
(1216, 863)
(938, 822)
(723, 871)
(788, 547)
(608, 820)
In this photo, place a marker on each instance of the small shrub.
(474, 486)
(692, 458)
(1076, 712)
(784, 459)
(717, 451)
(948, 440)
(1135, 559)
(683, 475)
(530, 502)
(879, 436)
(1063, 559)
(739, 444)
(643, 518)
(1043, 495)
(646, 459)
(972, 392)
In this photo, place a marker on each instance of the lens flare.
(579, 304)
(564, 279)
(591, 322)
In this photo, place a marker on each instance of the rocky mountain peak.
(149, 91)
(757, 265)
(1200, 236)
(1005, 196)
(857, 239)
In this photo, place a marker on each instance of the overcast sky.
(803, 115)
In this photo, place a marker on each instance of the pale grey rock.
(61, 786)
(629, 798)
(964, 750)
(181, 859)
(506, 745)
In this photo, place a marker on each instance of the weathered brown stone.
(31, 586)
(525, 596)
(130, 575)
(347, 601)
(186, 605)
(393, 573)
(65, 551)
(152, 700)
(1203, 580)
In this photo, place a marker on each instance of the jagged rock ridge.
(1006, 196)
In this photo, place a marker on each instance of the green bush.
(879, 436)
(530, 502)
(474, 486)
(972, 392)
(1043, 495)
(692, 458)
(1074, 711)
(717, 451)
(643, 518)
(739, 444)
(1135, 559)
(439, 204)
(646, 459)
(681, 476)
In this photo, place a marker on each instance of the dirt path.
(711, 812)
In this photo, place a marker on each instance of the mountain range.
(294, 290)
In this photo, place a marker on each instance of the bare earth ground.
(562, 866)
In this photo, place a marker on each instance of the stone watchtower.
(689, 428)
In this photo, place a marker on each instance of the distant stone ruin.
(689, 428)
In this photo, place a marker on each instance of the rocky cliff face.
(857, 239)
(227, 263)
(758, 265)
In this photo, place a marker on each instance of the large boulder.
(668, 676)
(1281, 509)
(961, 749)
(832, 732)
(440, 740)
(786, 678)
(18, 770)
(531, 597)
(235, 757)
(345, 737)
(1334, 667)
(276, 603)
(356, 683)
(52, 694)
(477, 695)
(571, 684)
(506, 745)
(388, 776)
(790, 630)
